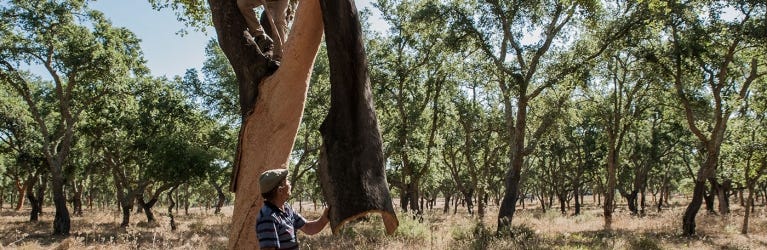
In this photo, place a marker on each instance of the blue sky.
(166, 52)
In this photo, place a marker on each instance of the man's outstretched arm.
(316, 226)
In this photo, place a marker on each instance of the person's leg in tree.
(278, 10)
(247, 9)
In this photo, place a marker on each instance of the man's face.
(285, 189)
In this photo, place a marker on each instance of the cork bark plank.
(351, 170)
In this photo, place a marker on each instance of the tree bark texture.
(562, 201)
(447, 204)
(688, 220)
(741, 200)
(268, 133)
(248, 65)
(186, 200)
(40, 192)
(467, 198)
(613, 159)
(708, 198)
(631, 200)
(33, 201)
(351, 170)
(516, 156)
(642, 202)
(125, 200)
(147, 207)
(221, 198)
(171, 204)
(21, 189)
(77, 201)
(705, 172)
(61, 221)
(126, 215)
(578, 199)
(723, 193)
(749, 205)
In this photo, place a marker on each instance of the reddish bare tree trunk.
(268, 132)
(21, 189)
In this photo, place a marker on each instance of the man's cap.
(271, 179)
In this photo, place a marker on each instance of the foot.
(264, 42)
(272, 66)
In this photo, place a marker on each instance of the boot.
(272, 66)
(265, 43)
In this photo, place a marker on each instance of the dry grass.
(101, 229)
(533, 229)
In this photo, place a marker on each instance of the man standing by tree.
(277, 222)
(276, 12)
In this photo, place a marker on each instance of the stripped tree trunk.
(21, 189)
(269, 125)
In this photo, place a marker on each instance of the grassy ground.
(533, 229)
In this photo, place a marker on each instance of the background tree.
(409, 85)
(499, 32)
(81, 60)
(746, 151)
(217, 95)
(20, 143)
(625, 99)
(711, 72)
(586, 137)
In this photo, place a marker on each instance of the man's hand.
(314, 227)
(326, 214)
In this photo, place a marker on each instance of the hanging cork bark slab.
(351, 161)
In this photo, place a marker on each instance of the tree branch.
(680, 89)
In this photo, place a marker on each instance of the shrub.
(411, 230)
(644, 243)
(475, 237)
(484, 237)
(521, 236)
(197, 226)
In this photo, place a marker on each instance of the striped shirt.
(277, 227)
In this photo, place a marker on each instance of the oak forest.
(483, 124)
